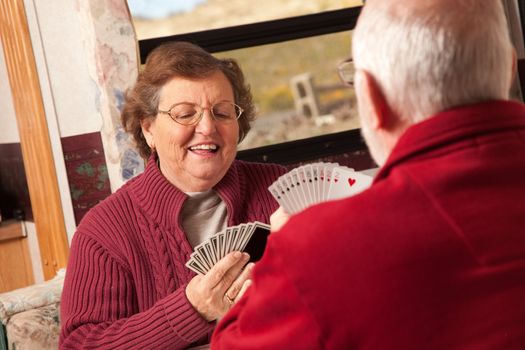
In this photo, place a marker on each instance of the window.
(289, 52)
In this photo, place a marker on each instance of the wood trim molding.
(16, 270)
(34, 137)
(11, 229)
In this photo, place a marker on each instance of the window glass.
(159, 18)
(295, 84)
(296, 89)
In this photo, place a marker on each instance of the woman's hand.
(214, 293)
(278, 219)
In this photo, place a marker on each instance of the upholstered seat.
(30, 316)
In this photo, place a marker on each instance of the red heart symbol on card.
(351, 182)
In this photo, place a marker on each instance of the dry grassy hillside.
(225, 13)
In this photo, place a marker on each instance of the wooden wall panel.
(34, 136)
(16, 270)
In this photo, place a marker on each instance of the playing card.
(310, 183)
(346, 182)
(298, 189)
(276, 194)
(221, 239)
(285, 192)
(301, 172)
(279, 195)
(257, 242)
(316, 168)
(214, 243)
(201, 252)
(192, 265)
(247, 234)
(227, 240)
(210, 252)
(291, 192)
(198, 259)
(298, 194)
(324, 179)
(240, 237)
(235, 238)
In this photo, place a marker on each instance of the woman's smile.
(204, 149)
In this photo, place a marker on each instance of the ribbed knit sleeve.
(100, 311)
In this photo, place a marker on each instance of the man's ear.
(146, 126)
(379, 112)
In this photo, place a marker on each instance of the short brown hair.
(179, 59)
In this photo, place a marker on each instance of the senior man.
(432, 256)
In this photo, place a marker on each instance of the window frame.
(262, 33)
(339, 146)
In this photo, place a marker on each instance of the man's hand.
(278, 219)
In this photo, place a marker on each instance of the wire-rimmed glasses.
(346, 71)
(186, 113)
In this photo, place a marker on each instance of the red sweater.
(432, 256)
(125, 281)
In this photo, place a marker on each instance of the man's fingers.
(226, 269)
(278, 219)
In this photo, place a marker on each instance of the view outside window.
(158, 18)
(296, 89)
(295, 84)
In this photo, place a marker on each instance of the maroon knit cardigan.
(126, 277)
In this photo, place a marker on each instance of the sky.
(153, 9)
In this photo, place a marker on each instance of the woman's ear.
(148, 130)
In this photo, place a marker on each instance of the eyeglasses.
(186, 113)
(346, 71)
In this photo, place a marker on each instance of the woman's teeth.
(204, 147)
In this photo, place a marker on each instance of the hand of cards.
(314, 183)
(250, 237)
(294, 191)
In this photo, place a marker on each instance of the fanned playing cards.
(250, 238)
(314, 183)
(294, 191)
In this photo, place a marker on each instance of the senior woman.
(126, 285)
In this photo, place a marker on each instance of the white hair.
(427, 59)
